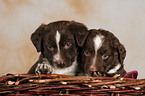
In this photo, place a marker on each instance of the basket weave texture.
(56, 85)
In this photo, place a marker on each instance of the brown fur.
(44, 36)
(110, 46)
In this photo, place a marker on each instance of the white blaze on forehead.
(57, 55)
(98, 40)
(57, 38)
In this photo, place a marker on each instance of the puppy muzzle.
(60, 64)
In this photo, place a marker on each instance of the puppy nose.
(92, 69)
(60, 63)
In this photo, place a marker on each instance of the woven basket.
(56, 85)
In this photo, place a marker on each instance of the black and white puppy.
(102, 54)
(58, 43)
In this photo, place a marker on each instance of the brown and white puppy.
(58, 43)
(102, 54)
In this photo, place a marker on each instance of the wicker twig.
(129, 84)
(105, 83)
(60, 79)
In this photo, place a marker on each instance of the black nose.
(60, 63)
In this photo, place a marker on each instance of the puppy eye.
(87, 53)
(50, 48)
(67, 45)
(105, 56)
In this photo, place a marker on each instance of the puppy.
(58, 43)
(102, 54)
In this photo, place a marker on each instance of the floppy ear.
(120, 50)
(80, 31)
(36, 37)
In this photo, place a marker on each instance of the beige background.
(20, 18)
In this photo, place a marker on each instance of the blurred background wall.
(20, 18)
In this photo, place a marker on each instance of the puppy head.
(103, 52)
(57, 42)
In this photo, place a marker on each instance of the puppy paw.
(98, 74)
(43, 68)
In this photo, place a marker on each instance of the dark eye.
(105, 56)
(50, 47)
(87, 53)
(67, 45)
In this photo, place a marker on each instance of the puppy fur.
(102, 54)
(58, 43)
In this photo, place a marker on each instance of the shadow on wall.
(19, 19)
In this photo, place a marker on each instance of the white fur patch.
(57, 55)
(98, 40)
(54, 70)
(114, 70)
(57, 38)
(66, 71)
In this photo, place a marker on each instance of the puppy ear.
(36, 37)
(80, 31)
(120, 50)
